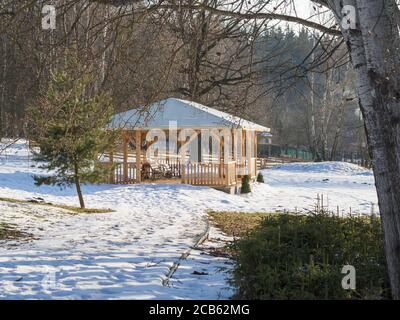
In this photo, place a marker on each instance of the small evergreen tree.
(68, 124)
(260, 178)
(245, 185)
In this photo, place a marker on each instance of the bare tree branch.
(232, 14)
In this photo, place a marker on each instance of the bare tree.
(373, 44)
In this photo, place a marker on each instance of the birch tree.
(373, 45)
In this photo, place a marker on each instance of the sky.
(304, 9)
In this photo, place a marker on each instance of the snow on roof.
(187, 114)
(266, 134)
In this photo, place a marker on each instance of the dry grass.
(237, 224)
(9, 232)
(72, 209)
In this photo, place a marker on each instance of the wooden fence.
(209, 174)
(121, 175)
(267, 163)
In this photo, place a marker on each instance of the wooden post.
(138, 142)
(243, 155)
(244, 132)
(167, 147)
(183, 163)
(248, 151)
(234, 144)
(183, 167)
(255, 151)
(125, 154)
(220, 155)
(235, 150)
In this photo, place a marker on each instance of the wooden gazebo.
(183, 141)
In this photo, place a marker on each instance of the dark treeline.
(314, 105)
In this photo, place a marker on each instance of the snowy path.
(94, 256)
(125, 254)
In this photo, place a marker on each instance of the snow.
(127, 253)
(342, 168)
(186, 114)
(296, 187)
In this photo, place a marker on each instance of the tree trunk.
(384, 144)
(338, 132)
(313, 130)
(313, 138)
(3, 87)
(78, 186)
(326, 113)
(374, 50)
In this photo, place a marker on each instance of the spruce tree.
(245, 185)
(68, 123)
(260, 178)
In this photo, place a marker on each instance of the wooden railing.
(262, 163)
(209, 174)
(118, 176)
(267, 163)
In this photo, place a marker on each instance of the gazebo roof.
(187, 114)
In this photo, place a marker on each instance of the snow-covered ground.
(127, 253)
(297, 186)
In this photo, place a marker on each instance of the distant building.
(264, 144)
(266, 147)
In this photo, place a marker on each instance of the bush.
(260, 178)
(245, 185)
(301, 257)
